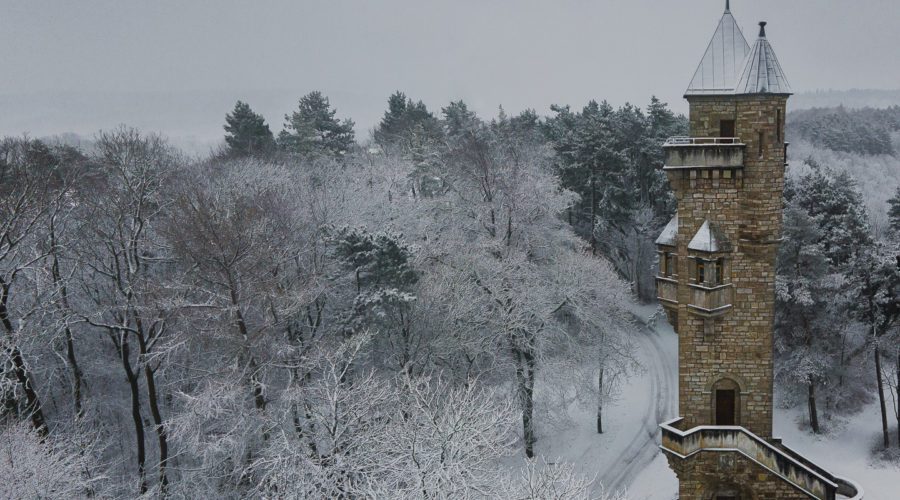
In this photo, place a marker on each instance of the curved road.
(657, 347)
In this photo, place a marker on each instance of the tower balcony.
(667, 291)
(703, 152)
(710, 301)
(681, 444)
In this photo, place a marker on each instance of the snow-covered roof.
(667, 237)
(762, 74)
(709, 239)
(721, 64)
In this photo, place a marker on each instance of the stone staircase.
(778, 459)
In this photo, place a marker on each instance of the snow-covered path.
(659, 360)
(628, 450)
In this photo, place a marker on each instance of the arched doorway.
(726, 402)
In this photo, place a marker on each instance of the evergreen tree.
(248, 133)
(810, 307)
(894, 212)
(413, 132)
(392, 123)
(836, 199)
(830, 269)
(611, 158)
(877, 305)
(314, 129)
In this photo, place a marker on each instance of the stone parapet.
(681, 154)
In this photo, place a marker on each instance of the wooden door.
(725, 409)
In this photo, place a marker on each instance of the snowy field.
(627, 456)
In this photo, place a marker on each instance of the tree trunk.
(528, 409)
(70, 340)
(593, 216)
(135, 412)
(525, 377)
(897, 413)
(159, 427)
(884, 424)
(813, 412)
(259, 399)
(76, 373)
(600, 402)
(20, 369)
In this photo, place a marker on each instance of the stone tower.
(717, 278)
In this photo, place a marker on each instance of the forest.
(312, 314)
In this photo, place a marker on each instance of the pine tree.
(809, 305)
(406, 123)
(391, 124)
(894, 212)
(247, 132)
(314, 129)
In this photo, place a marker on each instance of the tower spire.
(722, 61)
(762, 29)
(727, 5)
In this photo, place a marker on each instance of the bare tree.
(28, 198)
(126, 272)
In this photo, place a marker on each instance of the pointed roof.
(709, 239)
(669, 233)
(721, 64)
(762, 74)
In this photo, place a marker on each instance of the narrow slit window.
(760, 144)
(778, 125)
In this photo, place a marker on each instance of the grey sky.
(490, 52)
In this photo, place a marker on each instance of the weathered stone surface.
(733, 348)
(705, 475)
(746, 206)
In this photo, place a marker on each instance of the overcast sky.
(514, 53)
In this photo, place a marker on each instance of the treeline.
(863, 131)
(300, 316)
(610, 157)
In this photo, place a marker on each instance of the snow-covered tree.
(125, 274)
(314, 129)
(611, 158)
(819, 346)
(36, 466)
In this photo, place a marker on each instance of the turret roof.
(709, 239)
(669, 233)
(762, 74)
(721, 64)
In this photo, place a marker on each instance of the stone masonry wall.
(705, 474)
(747, 208)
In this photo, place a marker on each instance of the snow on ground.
(629, 446)
(627, 456)
(846, 451)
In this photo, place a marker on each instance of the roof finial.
(727, 5)
(762, 29)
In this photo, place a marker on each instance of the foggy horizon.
(177, 68)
